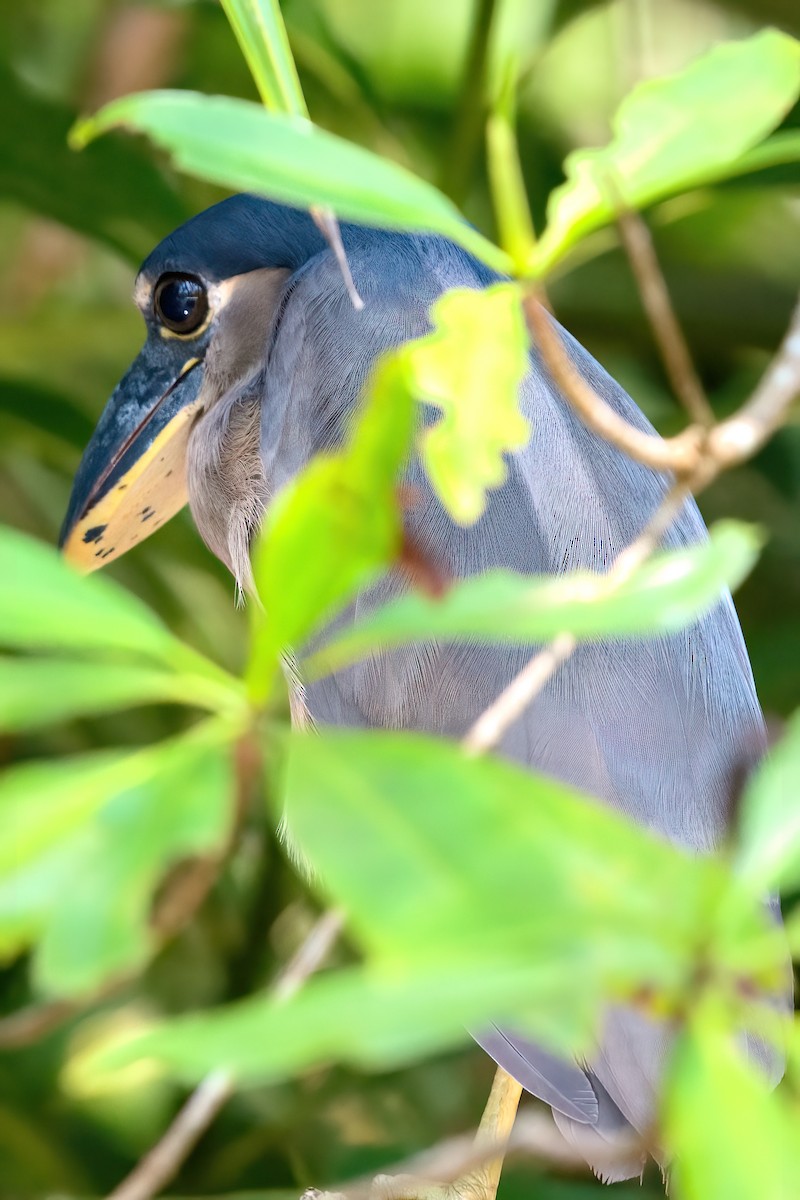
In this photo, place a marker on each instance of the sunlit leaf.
(471, 367)
(335, 527)
(46, 605)
(729, 1134)
(676, 133)
(436, 854)
(37, 692)
(664, 594)
(769, 833)
(261, 34)
(242, 146)
(86, 841)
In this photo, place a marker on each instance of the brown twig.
(679, 454)
(723, 445)
(493, 722)
(657, 304)
(162, 1163)
(697, 454)
(743, 434)
(159, 1166)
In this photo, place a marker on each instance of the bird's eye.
(181, 302)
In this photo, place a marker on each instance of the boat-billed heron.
(254, 361)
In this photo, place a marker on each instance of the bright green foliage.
(242, 146)
(769, 855)
(732, 1139)
(46, 606)
(478, 891)
(261, 34)
(368, 1016)
(436, 855)
(38, 692)
(86, 840)
(674, 134)
(471, 367)
(664, 594)
(335, 528)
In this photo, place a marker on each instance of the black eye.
(181, 302)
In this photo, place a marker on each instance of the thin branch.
(326, 223)
(724, 445)
(493, 722)
(657, 304)
(162, 1163)
(27, 1026)
(310, 956)
(679, 454)
(743, 434)
(159, 1166)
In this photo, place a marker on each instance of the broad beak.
(132, 477)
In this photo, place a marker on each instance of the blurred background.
(399, 77)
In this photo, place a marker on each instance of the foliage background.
(73, 229)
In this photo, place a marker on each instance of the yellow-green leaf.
(471, 367)
(676, 133)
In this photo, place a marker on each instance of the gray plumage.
(663, 730)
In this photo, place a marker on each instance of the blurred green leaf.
(731, 1136)
(333, 528)
(436, 855)
(664, 594)
(261, 34)
(373, 1018)
(86, 841)
(675, 133)
(769, 851)
(242, 146)
(115, 193)
(37, 692)
(471, 367)
(46, 605)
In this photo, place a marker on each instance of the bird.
(255, 360)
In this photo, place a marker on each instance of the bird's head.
(210, 295)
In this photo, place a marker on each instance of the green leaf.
(46, 605)
(673, 134)
(335, 527)
(242, 146)
(86, 840)
(114, 193)
(479, 892)
(37, 692)
(438, 856)
(730, 1135)
(769, 833)
(372, 1018)
(471, 367)
(261, 34)
(667, 592)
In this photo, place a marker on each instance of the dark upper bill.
(132, 477)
